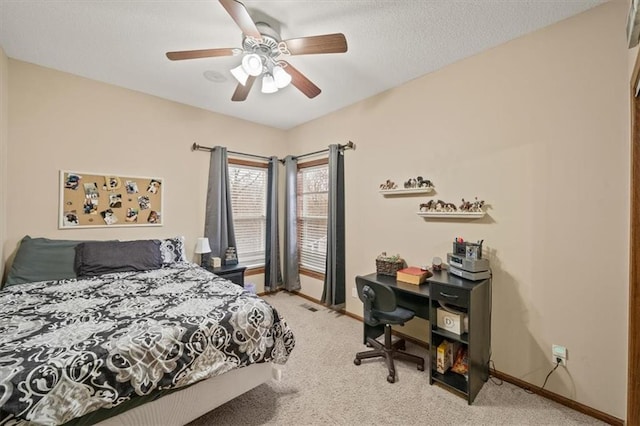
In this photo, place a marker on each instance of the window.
(313, 198)
(248, 187)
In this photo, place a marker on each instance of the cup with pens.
(466, 249)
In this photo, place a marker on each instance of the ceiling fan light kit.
(240, 75)
(262, 49)
(274, 76)
(281, 77)
(252, 64)
(269, 84)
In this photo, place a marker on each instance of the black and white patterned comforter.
(70, 347)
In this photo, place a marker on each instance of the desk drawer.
(449, 294)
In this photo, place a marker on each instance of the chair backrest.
(376, 297)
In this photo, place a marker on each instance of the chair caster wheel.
(391, 379)
(357, 361)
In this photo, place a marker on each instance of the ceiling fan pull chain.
(283, 49)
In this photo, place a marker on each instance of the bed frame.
(182, 407)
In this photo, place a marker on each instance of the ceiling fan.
(262, 49)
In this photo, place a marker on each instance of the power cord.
(494, 380)
(558, 361)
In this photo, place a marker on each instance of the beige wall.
(538, 128)
(61, 121)
(4, 132)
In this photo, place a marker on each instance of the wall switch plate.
(354, 292)
(559, 352)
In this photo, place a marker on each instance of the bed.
(136, 336)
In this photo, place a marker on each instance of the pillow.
(172, 250)
(103, 257)
(42, 259)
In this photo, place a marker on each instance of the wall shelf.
(404, 191)
(452, 215)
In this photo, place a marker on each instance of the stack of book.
(413, 275)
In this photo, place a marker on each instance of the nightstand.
(234, 273)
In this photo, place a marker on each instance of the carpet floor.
(321, 386)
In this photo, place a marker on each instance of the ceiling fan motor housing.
(268, 46)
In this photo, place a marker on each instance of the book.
(412, 275)
(443, 357)
(461, 362)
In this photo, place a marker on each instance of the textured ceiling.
(389, 43)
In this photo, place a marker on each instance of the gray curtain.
(272, 271)
(334, 278)
(218, 222)
(291, 254)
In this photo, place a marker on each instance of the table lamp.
(202, 248)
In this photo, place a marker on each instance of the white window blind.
(313, 198)
(248, 187)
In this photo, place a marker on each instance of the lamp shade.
(202, 246)
(240, 75)
(281, 77)
(268, 84)
(252, 64)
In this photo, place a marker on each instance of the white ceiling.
(390, 42)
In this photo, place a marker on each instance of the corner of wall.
(4, 136)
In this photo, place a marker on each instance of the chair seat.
(398, 316)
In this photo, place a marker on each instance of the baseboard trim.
(574, 405)
(585, 409)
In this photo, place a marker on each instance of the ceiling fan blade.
(328, 43)
(204, 53)
(242, 18)
(301, 82)
(242, 91)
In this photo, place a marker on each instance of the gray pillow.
(42, 259)
(103, 257)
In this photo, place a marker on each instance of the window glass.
(313, 197)
(248, 188)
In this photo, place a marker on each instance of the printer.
(466, 261)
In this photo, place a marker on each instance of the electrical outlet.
(559, 352)
(354, 292)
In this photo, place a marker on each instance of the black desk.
(410, 296)
(472, 297)
(416, 297)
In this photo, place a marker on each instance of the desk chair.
(380, 307)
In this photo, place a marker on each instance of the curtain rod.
(348, 145)
(196, 147)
